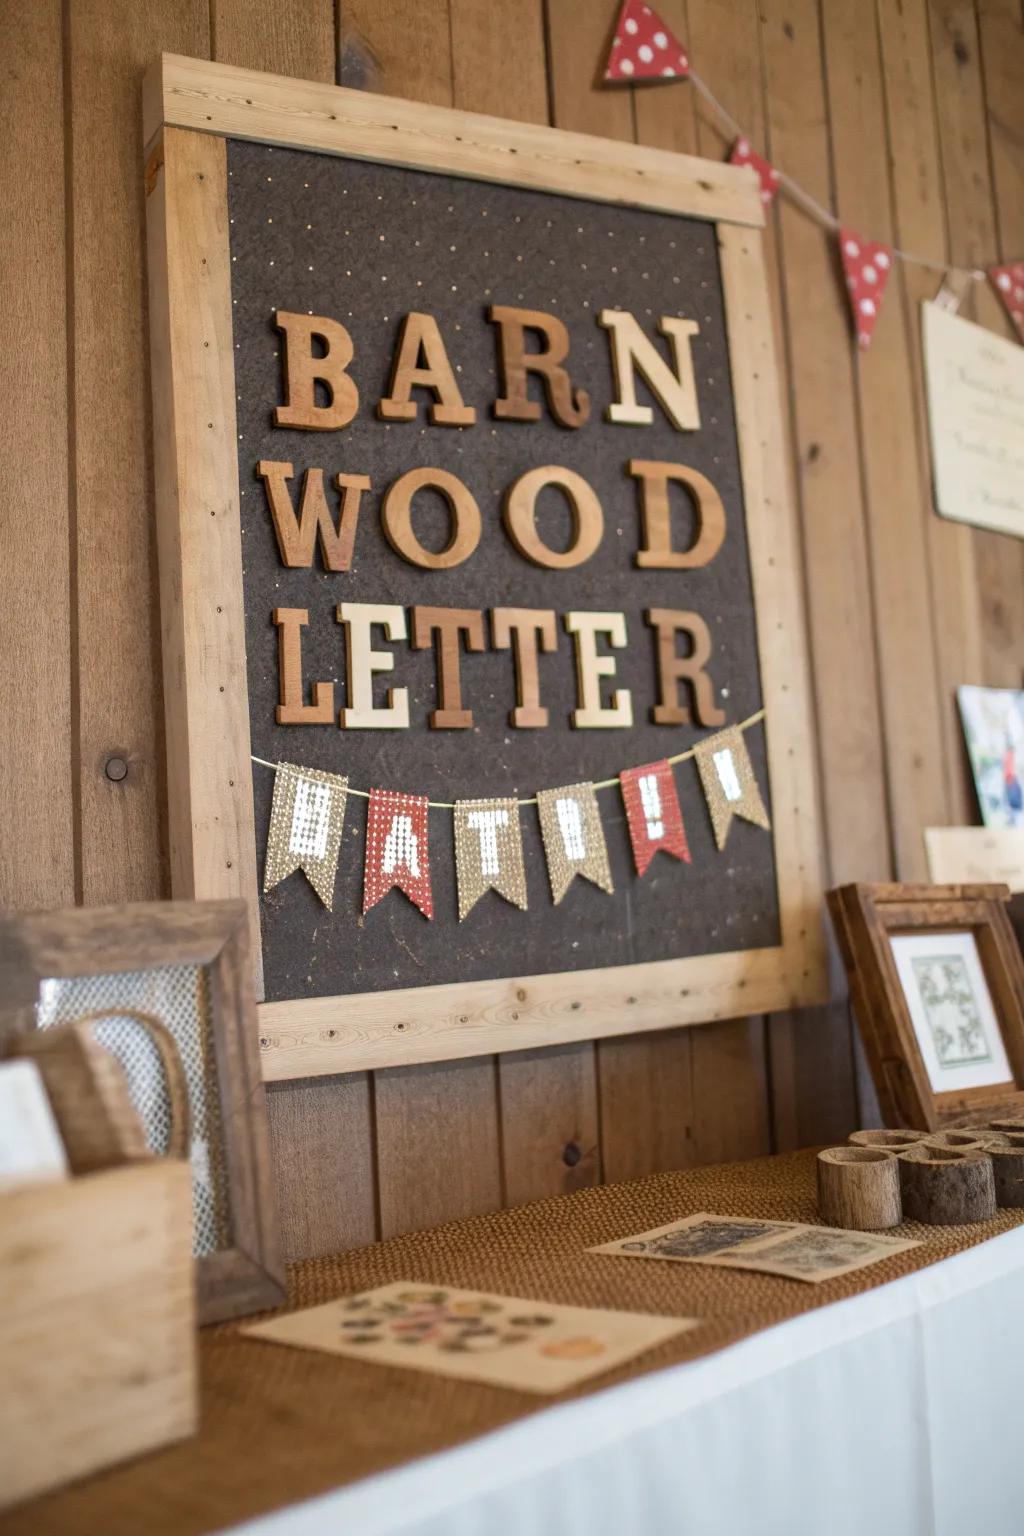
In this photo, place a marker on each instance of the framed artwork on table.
(993, 722)
(937, 983)
(167, 988)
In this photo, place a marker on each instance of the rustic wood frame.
(190, 108)
(97, 941)
(865, 918)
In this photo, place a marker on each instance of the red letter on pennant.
(396, 849)
(652, 811)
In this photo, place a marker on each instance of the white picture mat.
(30, 1144)
(974, 381)
(908, 947)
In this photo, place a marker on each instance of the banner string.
(809, 204)
(449, 805)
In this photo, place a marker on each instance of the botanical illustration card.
(791, 1248)
(504, 1341)
(951, 1010)
(993, 721)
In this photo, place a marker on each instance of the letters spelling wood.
(470, 484)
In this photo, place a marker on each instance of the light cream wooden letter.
(632, 351)
(362, 661)
(591, 667)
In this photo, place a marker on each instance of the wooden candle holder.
(946, 1186)
(890, 1141)
(859, 1188)
(1006, 1149)
(964, 1140)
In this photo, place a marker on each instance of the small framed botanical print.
(937, 983)
(166, 988)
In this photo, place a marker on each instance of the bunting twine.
(449, 805)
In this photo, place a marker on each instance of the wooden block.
(859, 1188)
(946, 1186)
(97, 1330)
(88, 1094)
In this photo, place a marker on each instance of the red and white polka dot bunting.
(742, 154)
(1008, 282)
(867, 265)
(644, 48)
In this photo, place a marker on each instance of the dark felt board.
(366, 244)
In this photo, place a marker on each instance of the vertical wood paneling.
(967, 186)
(322, 1130)
(907, 116)
(119, 703)
(36, 826)
(919, 226)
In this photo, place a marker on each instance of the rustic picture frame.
(191, 109)
(867, 918)
(36, 948)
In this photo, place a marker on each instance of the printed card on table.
(794, 1249)
(504, 1341)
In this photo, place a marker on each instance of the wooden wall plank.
(284, 39)
(322, 1129)
(36, 824)
(321, 1140)
(967, 185)
(498, 59)
(647, 1110)
(897, 483)
(549, 1126)
(119, 704)
(410, 40)
(438, 1151)
(919, 226)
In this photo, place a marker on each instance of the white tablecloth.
(896, 1413)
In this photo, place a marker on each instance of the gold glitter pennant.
(730, 788)
(488, 852)
(573, 838)
(306, 821)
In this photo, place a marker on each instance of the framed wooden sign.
(472, 514)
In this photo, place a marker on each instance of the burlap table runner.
(280, 1425)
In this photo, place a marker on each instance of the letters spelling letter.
(673, 668)
(363, 661)
(297, 535)
(303, 371)
(525, 629)
(657, 552)
(590, 668)
(632, 350)
(421, 362)
(448, 624)
(569, 407)
(292, 710)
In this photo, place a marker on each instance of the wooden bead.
(946, 1186)
(859, 1188)
(893, 1141)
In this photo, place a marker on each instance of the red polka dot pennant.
(1008, 282)
(742, 154)
(396, 849)
(652, 813)
(867, 264)
(644, 48)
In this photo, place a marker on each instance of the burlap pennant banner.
(573, 838)
(653, 814)
(488, 852)
(396, 849)
(306, 820)
(730, 787)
